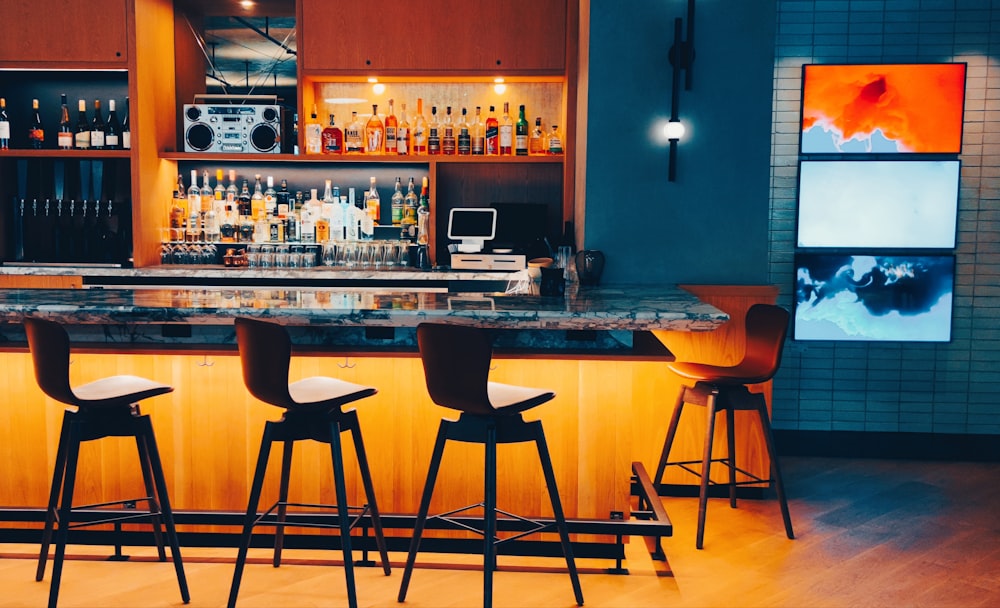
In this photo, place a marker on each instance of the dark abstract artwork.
(874, 298)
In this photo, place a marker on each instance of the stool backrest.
(265, 354)
(456, 365)
(49, 346)
(766, 328)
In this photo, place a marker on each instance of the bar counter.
(610, 411)
(598, 308)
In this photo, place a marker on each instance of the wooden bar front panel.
(606, 414)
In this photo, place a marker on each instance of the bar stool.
(108, 407)
(312, 411)
(723, 389)
(456, 363)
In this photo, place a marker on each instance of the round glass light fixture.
(673, 130)
(499, 87)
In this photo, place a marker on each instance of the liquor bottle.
(448, 143)
(478, 134)
(219, 193)
(506, 131)
(433, 133)
(410, 206)
(402, 133)
(521, 130)
(257, 199)
(352, 215)
(307, 218)
(555, 145)
(228, 224)
(194, 195)
(423, 216)
(373, 208)
(464, 136)
(213, 233)
(112, 137)
(335, 213)
(98, 128)
(270, 198)
(36, 133)
(65, 137)
(244, 199)
(4, 125)
(397, 204)
(314, 134)
(207, 196)
(374, 133)
(325, 216)
(420, 129)
(126, 129)
(492, 133)
(352, 136)
(231, 193)
(391, 130)
(333, 138)
(81, 139)
(283, 200)
(536, 142)
(178, 211)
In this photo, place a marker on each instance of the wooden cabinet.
(67, 32)
(500, 37)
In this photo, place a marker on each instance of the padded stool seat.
(456, 362)
(312, 411)
(108, 407)
(724, 389)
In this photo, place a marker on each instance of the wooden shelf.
(81, 154)
(361, 158)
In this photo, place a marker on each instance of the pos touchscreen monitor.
(472, 227)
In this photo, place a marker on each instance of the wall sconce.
(681, 59)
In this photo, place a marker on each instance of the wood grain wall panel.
(13, 281)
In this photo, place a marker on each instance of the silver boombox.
(233, 127)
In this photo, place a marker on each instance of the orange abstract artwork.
(883, 108)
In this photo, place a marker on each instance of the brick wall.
(909, 387)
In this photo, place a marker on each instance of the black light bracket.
(681, 56)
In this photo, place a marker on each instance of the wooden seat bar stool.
(108, 407)
(456, 362)
(313, 410)
(724, 389)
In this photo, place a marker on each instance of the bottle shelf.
(82, 154)
(361, 158)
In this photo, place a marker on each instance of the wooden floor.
(868, 533)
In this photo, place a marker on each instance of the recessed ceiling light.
(246, 4)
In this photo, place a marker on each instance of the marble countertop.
(623, 307)
(194, 271)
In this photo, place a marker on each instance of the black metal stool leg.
(65, 510)
(342, 512)
(286, 473)
(58, 475)
(425, 504)
(550, 482)
(731, 457)
(706, 468)
(154, 505)
(156, 465)
(251, 515)
(772, 453)
(669, 441)
(490, 514)
(366, 480)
